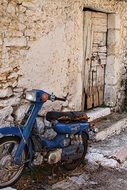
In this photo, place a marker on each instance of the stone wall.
(41, 46)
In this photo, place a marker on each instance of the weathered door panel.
(95, 53)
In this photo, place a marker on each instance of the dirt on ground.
(96, 177)
(107, 121)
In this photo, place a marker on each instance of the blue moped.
(19, 145)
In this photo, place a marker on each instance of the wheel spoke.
(9, 172)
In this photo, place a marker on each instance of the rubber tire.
(16, 139)
(75, 163)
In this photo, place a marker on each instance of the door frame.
(110, 95)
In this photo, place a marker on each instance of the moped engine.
(74, 150)
(54, 156)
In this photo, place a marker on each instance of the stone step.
(112, 152)
(98, 113)
(110, 125)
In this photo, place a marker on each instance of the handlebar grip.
(60, 99)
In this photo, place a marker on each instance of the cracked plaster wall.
(41, 46)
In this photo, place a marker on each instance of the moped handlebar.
(53, 98)
(60, 99)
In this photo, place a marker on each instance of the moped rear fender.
(15, 131)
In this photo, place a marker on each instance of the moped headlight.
(31, 96)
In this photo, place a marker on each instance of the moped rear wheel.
(71, 165)
(9, 172)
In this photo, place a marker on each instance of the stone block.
(1, 41)
(98, 158)
(13, 101)
(40, 125)
(18, 90)
(113, 37)
(11, 9)
(13, 76)
(49, 133)
(17, 42)
(112, 70)
(21, 27)
(63, 185)
(16, 34)
(7, 111)
(121, 154)
(111, 79)
(18, 94)
(79, 180)
(3, 78)
(125, 23)
(114, 21)
(113, 49)
(22, 9)
(5, 116)
(20, 112)
(110, 95)
(115, 128)
(97, 113)
(124, 166)
(30, 33)
(126, 42)
(5, 93)
(29, 5)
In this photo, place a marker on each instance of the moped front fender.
(15, 131)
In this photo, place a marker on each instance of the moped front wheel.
(9, 172)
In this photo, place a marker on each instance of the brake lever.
(52, 97)
(65, 97)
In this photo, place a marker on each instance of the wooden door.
(95, 53)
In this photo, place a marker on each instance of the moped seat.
(66, 117)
